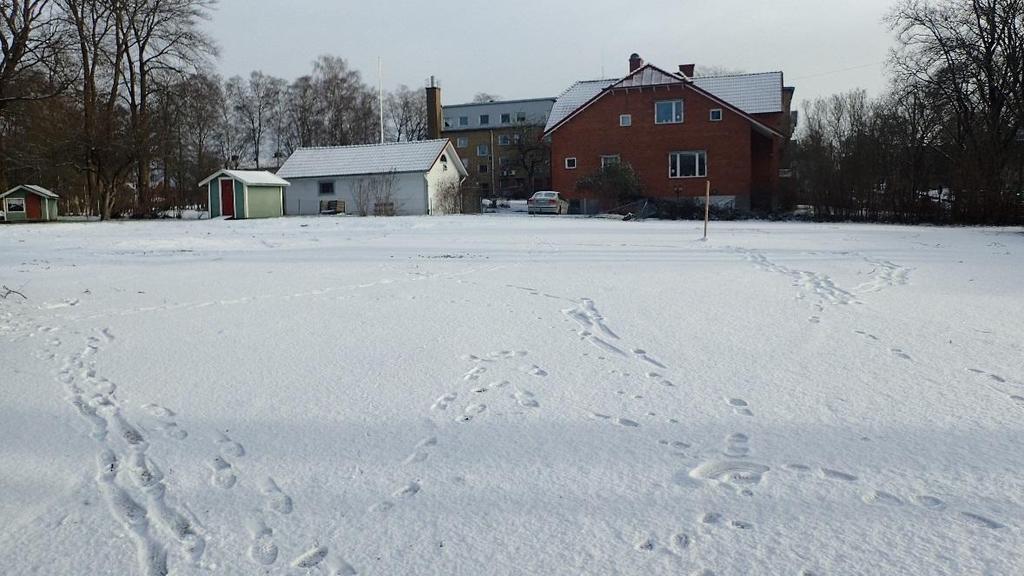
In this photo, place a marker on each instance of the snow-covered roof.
(32, 187)
(249, 178)
(363, 159)
(752, 93)
(577, 95)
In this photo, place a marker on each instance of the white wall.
(443, 174)
(303, 196)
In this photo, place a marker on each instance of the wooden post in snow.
(707, 208)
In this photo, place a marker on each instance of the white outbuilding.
(401, 178)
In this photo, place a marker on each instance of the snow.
(504, 394)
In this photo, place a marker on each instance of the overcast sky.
(536, 48)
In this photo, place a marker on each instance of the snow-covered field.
(510, 395)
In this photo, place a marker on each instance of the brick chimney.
(435, 122)
(687, 69)
(635, 62)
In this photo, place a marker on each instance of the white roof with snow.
(363, 159)
(249, 178)
(33, 188)
(751, 93)
(577, 95)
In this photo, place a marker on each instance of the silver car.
(547, 202)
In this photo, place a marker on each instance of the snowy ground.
(510, 395)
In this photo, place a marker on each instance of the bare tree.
(533, 155)
(32, 40)
(484, 97)
(448, 199)
(255, 102)
(102, 47)
(406, 114)
(165, 44)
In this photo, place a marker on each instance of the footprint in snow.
(930, 502)
(275, 499)
(740, 406)
(263, 550)
(526, 399)
(981, 521)
(229, 447)
(223, 474)
(830, 474)
(407, 491)
(882, 498)
(312, 557)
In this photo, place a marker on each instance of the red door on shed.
(227, 198)
(33, 208)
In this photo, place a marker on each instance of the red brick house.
(677, 131)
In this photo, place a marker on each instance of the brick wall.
(595, 132)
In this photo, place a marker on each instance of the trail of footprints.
(479, 399)
(132, 484)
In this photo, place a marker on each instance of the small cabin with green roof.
(242, 194)
(28, 203)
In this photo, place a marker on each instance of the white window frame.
(674, 165)
(610, 159)
(506, 115)
(320, 190)
(681, 116)
(625, 120)
(22, 201)
(447, 122)
(486, 150)
(711, 115)
(504, 140)
(462, 142)
(463, 120)
(521, 117)
(485, 119)
(571, 160)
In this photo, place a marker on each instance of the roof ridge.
(738, 74)
(511, 101)
(374, 145)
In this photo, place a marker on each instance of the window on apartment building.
(688, 164)
(326, 188)
(465, 164)
(447, 122)
(483, 150)
(520, 116)
(463, 120)
(716, 115)
(625, 119)
(504, 140)
(483, 168)
(506, 118)
(668, 112)
(504, 162)
(517, 138)
(609, 160)
(485, 119)
(570, 163)
(462, 142)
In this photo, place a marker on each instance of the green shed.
(28, 203)
(245, 194)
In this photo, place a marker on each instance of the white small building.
(402, 178)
